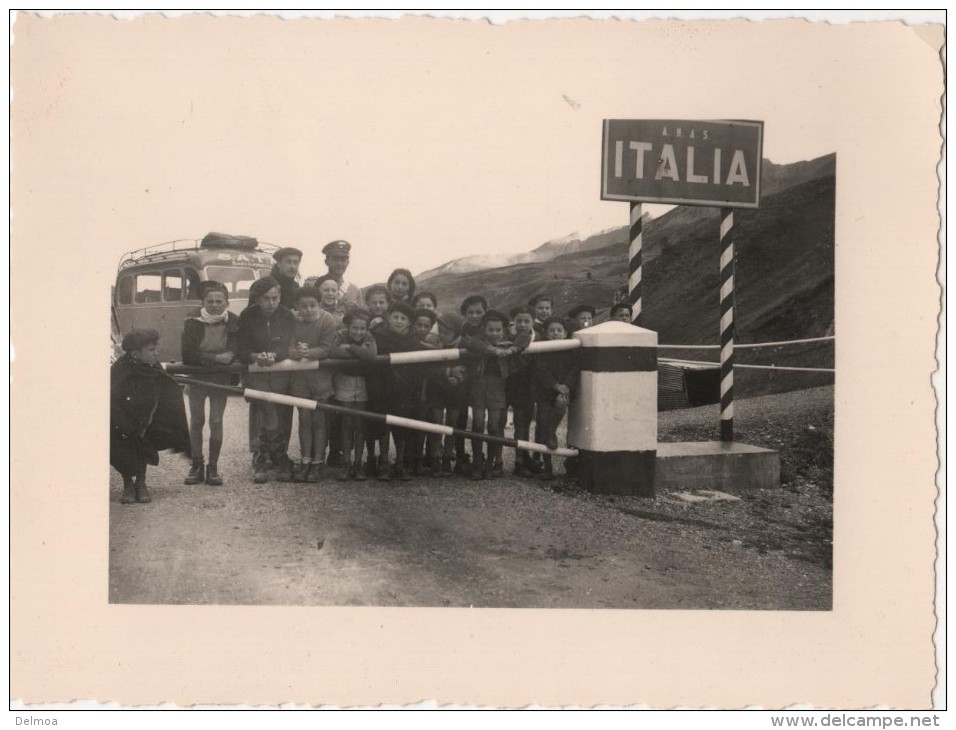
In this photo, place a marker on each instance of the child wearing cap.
(353, 342)
(209, 338)
(486, 390)
(445, 394)
(314, 336)
(399, 392)
(265, 334)
(554, 378)
(580, 317)
(146, 413)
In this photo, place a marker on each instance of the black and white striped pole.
(726, 324)
(634, 262)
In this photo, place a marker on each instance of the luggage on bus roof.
(224, 240)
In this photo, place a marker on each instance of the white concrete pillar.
(613, 419)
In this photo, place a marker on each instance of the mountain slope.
(774, 178)
(784, 277)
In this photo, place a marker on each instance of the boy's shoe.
(261, 467)
(142, 493)
(463, 466)
(346, 472)
(196, 474)
(478, 469)
(400, 473)
(358, 473)
(315, 472)
(446, 468)
(285, 468)
(384, 472)
(536, 466)
(522, 470)
(300, 471)
(498, 470)
(213, 479)
(129, 494)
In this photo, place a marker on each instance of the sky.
(418, 141)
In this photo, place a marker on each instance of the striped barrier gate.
(612, 424)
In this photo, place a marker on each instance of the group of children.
(494, 375)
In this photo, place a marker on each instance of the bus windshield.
(237, 279)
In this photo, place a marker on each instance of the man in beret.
(286, 272)
(337, 261)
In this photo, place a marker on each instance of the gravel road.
(505, 542)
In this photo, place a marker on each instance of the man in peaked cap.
(286, 272)
(337, 261)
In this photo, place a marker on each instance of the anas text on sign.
(685, 162)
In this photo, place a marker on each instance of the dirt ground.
(506, 542)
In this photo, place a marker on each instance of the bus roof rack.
(169, 248)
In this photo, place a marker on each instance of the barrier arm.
(397, 421)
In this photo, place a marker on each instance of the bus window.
(192, 284)
(125, 294)
(237, 279)
(172, 285)
(149, 288)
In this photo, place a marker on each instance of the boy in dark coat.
(487, 375)
(518, 388)
(399, 383)
(265, 334)
(445, 393)
(554, 379)
(542, 304)
(146, 413)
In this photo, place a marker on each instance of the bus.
(157, 286)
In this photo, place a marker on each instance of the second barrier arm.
(396, 421)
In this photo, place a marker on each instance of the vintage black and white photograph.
(431, 359)
(463, 341)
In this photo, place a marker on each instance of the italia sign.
(683, 162)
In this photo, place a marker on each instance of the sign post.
(634, 262)
(726, 324)
(686, 162)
